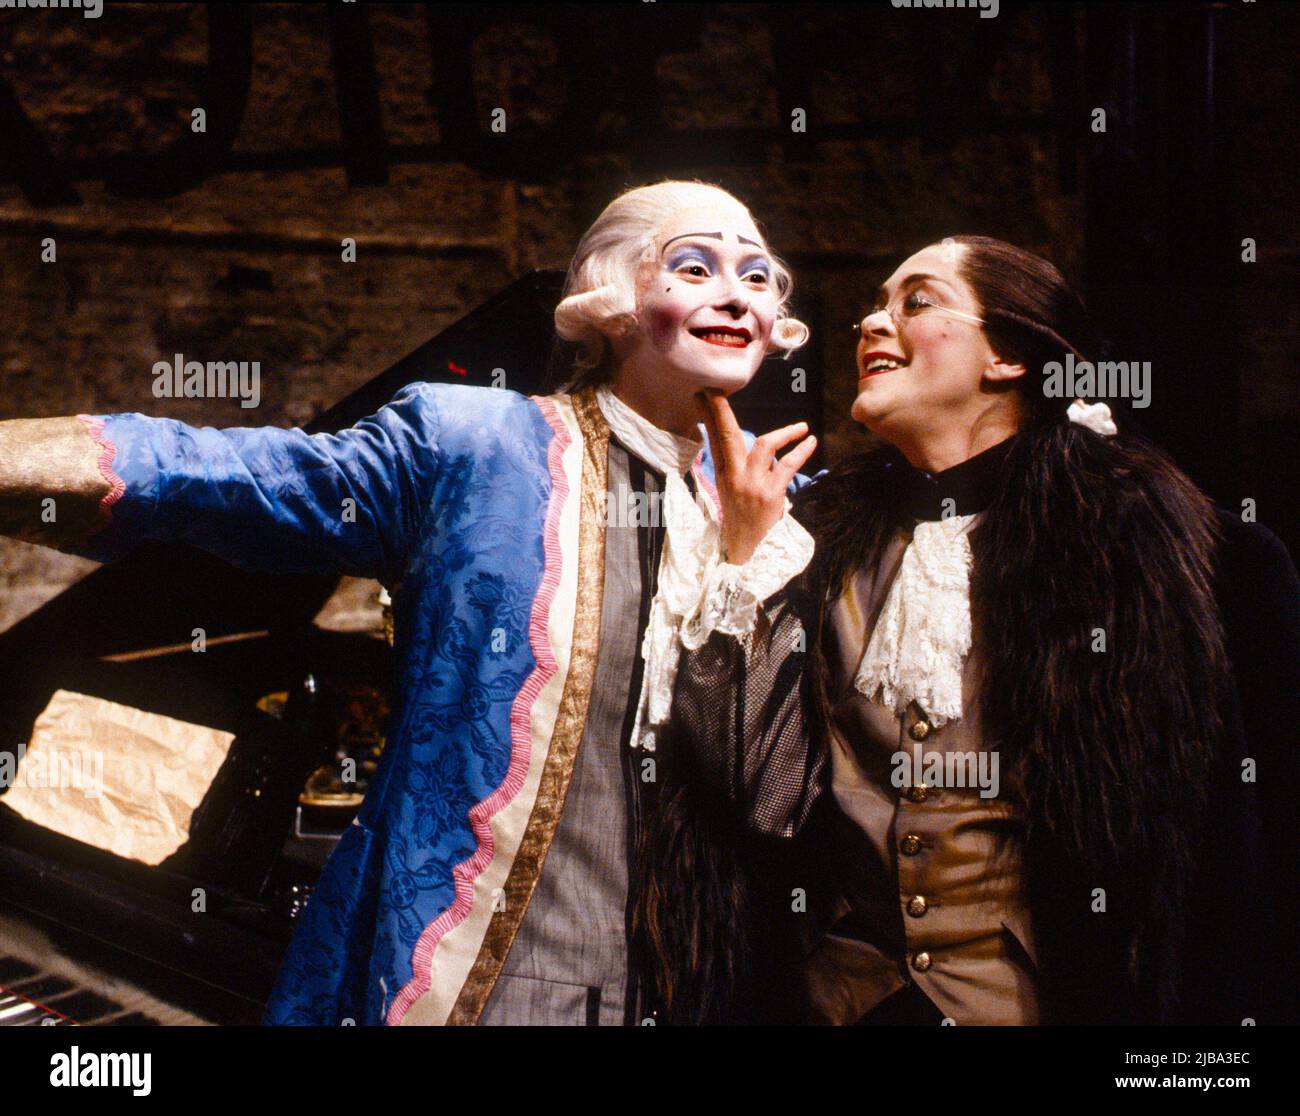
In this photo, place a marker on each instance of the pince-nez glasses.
(914, 305)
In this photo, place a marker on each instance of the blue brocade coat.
(483, 510)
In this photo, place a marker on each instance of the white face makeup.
(708, 302)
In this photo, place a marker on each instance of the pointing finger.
(793, 461)
(766, 446)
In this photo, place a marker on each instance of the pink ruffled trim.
(107, 453)
(481, 814)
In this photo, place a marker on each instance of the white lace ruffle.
(697, 592)
(700, 594)
(923, 636)
(731, 594)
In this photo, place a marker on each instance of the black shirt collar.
(971, 485)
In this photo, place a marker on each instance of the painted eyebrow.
(919, 277)
(714, 236)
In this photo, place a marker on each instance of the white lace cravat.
(924, 632)
(697, 592)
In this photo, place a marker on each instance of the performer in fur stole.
(1020, 745)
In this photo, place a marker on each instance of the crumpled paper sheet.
(117, 778)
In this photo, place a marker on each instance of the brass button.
(920, 730)
(911, 844)
(917, 906)
(922, 962)
(918, 793)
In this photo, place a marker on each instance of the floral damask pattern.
(447, 489)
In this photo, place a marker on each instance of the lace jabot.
(923, 635)
(697, 592)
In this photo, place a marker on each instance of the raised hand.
(751, 483)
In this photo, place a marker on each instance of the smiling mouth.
(876, 364)
(727, 338)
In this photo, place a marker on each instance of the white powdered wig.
(600, 291)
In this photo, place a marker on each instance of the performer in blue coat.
(546, 557)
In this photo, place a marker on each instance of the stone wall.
(246, 265)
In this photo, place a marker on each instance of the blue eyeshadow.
(705, 256)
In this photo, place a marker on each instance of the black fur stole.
(1109, 752)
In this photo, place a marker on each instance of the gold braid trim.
(570, 721)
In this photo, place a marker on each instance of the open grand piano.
(90, 937)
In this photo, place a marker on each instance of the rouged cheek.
(663, 321)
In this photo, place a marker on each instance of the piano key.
(10, 1016)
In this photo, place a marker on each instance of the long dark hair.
(1107, 747)
(1108, 753)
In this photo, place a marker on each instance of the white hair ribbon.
(1094, 416)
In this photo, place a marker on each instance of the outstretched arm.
(264, 498)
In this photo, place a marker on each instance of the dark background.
(372, 121)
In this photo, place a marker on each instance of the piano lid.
(151, 598)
